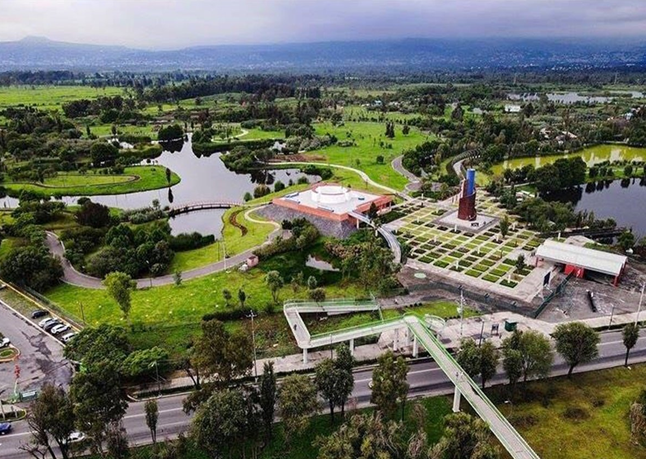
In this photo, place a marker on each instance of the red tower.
(467, 202)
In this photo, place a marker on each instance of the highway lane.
(424, 377)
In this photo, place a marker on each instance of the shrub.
(576, 413)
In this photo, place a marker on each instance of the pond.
(622, 200)
(591, 156)
(204, 178)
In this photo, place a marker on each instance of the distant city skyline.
(172, 24)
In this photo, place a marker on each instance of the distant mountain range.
(35, 53)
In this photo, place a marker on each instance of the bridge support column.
(456, 400)
(304, 355)
(352, 346)
(415, 347)
(396, 341)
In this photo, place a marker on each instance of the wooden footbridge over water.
(204, 205)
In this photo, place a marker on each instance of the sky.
(171, 24)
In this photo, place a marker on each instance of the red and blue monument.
(467, 199)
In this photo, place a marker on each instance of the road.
(41, 360)
(73, 277)
(424, 377)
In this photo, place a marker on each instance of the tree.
(577, 343)
(318, 295)
(535, 352)
(380, 159)
(242, 297)
(247, 197)
(520, 263)
(389, 384)
(504, 227)
(465, 437)
(93, 214)
(119, 286)
(512, 363)
(332, 383)
(312, 283)
(227, 296)
(116, 441)
(478, 360)
(103, 154)
(97, 401)
(169, 175)
(406, 129)
(630, 335)
(177, 278)
(96, 344)
(626, 240)
(345, 362)
(267, 397)
(152, 416)
(32, 266)
(297, 402)
(275, 283)
(220, 423)
(51, 416)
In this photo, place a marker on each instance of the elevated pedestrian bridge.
(422, 331)
(390, 238)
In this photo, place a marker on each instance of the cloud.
(176, 23)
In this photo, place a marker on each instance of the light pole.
(461, 311)
(612, 313)
(253, 342)
(150, 274)
(639, 308)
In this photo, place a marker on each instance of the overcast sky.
(171, 24)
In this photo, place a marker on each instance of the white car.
(5, 342)
(59, 329)
(76, 437)
(67, 337)
(43, 323)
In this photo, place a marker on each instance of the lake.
(622, 200)
(204, 178)
(591, 156)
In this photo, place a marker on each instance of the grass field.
(234, 241)
(50, 97)
(368, 137)
(136, 178)
(601, 429)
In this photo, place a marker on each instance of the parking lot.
(41, 356)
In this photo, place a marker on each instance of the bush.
(229, 314)
(576, 413)
(190, 241)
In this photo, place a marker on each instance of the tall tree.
(389, 384)
(504, 226)
(479, 361)
(267, 397)
(152, 417)
(630, 335)
(51, 416)
(512, 363)
(345, 362)
(534, 350)
(242, 297)
(577, 343)
(297, 402)
(97, 401)
(119, 286)
(275, 283)
(116, 441)
(333, 384)
(219, 425)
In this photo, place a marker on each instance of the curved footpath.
(414, 182)
(73, 277)
(361, 174)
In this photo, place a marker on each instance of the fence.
(37, 297)
(557, 291)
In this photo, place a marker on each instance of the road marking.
(428, 370)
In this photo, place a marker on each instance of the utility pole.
(461, 311)
(612, 313)
(253, 342)
(639, 308)
(82, 313)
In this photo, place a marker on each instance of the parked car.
(5, 342)
(38, 313)
(67, 337)
(5, 428)
(52, 324)
(43, 323)
(76, 437)
(59, 329)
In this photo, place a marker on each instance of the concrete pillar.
(415, 347)
(304, 355)
(352, 346)
(396, 340)
(456, 400)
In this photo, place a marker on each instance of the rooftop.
(332, 198)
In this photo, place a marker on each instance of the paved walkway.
(74, 277)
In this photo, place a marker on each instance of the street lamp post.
(253, 342)
(639, 308)
(612, 313)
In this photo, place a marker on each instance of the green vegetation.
(50, 97)
(133, 179)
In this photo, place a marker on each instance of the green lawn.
(368, 137)
(136, 178)
(444, 309)
(51, 97)
(234, 242)
(602, 430)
